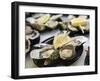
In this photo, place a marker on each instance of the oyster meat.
(39, 23)
(51, 24)
(67, 52)
(46, 52)
(50, 55)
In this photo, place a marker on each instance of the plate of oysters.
(56, 40)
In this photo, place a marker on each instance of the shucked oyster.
(51, 24)
(43, 19)
(47, 55)
(67, 52)
(46, 52)
(40, 22)
(32, 35)
(28, 30)
(50, 55)
(39, 27)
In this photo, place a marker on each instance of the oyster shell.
(50, 55)
(49, 52)
(44, 55)
(33, 36)
(37, 49)
(46, 52)
(39, 27)
(30, 20)
(27, 46)
(38, 23)
(28, 30)
(43, 19)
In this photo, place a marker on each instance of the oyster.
(36, 50)
(39, 27)
(44, 55)
(43, 19)
(67, 52)
(30, 20)
(28, 30)
(27, 46)
(33, 36)
(49, 52)
(46, 52)
(39, 23)
(50, 55)
(51, 24)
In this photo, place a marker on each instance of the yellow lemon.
(60, 40)
(78, 22)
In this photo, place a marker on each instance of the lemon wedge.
(60, 40)
(78, 22)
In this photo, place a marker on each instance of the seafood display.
(55, 49)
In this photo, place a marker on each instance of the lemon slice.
(60, 40)
(43, 19)
(77, 22)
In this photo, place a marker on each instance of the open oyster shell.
(34, 37)
(27, 46)
(44, 55)
(50, 54)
